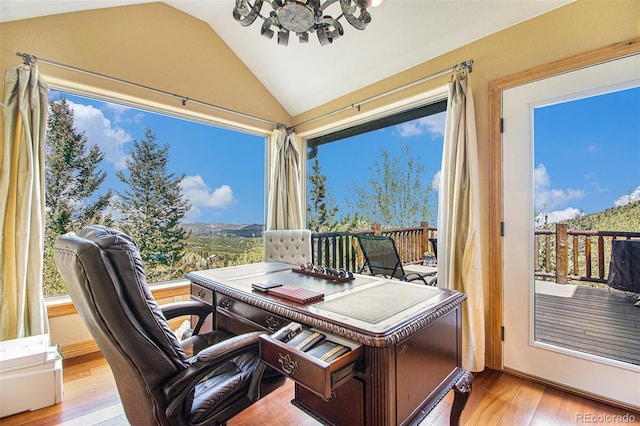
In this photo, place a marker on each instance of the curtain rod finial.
(27, 59)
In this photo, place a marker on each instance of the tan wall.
(160, 47)
(150, 44)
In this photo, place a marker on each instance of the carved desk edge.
(396, 336)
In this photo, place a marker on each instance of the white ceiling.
(402, 34)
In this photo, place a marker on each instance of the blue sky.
(587, 156)
(224, 169)
(346, 163)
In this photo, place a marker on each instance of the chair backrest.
(434, 244)
(105, 279)
(624, 267)
(381, 256)
(288, 246)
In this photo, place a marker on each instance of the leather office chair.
(288, 246)
(158, 382)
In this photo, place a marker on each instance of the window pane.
(388, 176)
(216, 173)
(587, 195)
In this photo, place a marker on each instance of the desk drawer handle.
(226, 303)
(272, 322)
(288, 365)
(200, 293)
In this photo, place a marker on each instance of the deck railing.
(341, 250)
(563, 254)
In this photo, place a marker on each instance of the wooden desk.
(408, 338)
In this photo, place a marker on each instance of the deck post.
(424, 241)
(562, 253)
(377, 229)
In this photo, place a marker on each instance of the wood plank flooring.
(593, 320)
(91, 398)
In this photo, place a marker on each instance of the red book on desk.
(296, 294)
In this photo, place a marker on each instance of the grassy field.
(206, 252)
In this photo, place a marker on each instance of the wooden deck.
(598, 321)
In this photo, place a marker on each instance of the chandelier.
(303, 17)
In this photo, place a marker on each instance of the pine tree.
(72, 180)
(72, 174)
(320, 217)
(153, 207)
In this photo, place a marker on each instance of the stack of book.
(296, 294)
(316, 344)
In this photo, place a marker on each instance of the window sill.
(62, 305)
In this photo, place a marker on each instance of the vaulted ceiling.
(402, 34)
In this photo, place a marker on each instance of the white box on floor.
(30, 375)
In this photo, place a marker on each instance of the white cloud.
(435, 182)
(200, 195)
(100, 131)
(192, 215)
(433, 124)
(558, 216)
(547, 198)
(593, 148)
(628, 198)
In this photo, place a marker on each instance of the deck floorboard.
(598, 321)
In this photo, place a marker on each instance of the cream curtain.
(459, 250)
(284, 201)
(22, 310)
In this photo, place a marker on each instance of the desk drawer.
(318, 376)
(205, 295)
(201, 293)
(241, 312)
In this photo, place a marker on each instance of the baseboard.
(572, 390)
(74, 349)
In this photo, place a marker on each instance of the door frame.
(494, 359)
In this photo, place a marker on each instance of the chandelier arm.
(361, 21)
(328, 3)
(247, 15)
(266, 28)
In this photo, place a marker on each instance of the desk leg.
(462, 390)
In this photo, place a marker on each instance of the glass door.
(556, 308)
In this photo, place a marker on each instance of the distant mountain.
(224, 230)
(622, 218)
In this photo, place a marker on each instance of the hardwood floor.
(91, 398)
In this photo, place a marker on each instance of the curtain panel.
(459, 242)
(284, 201)
(22, 309)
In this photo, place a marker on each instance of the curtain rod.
(466, 64)
(31, 60)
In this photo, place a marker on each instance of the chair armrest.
(181, 385)
(229, 348)
(189, 307)
(414, 276)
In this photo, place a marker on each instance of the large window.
(382, 172)
(191, 194)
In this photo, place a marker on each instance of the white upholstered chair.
(288, 246)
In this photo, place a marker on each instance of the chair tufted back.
(288, 246)
(106, 281)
